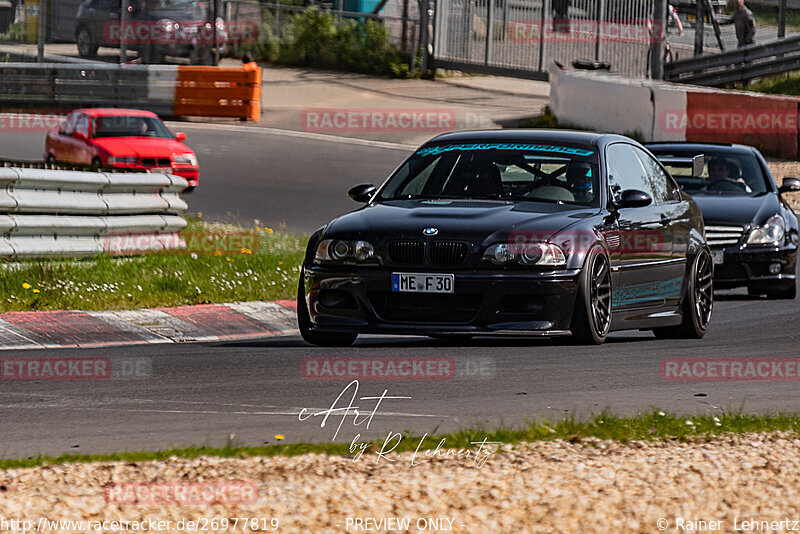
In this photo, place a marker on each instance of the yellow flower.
(217, 253)
(36, 291)
(26, 285)
(199, 214)
(280, 263)
(279, 437)
(246, 251)
(268, 230)
(227, 258)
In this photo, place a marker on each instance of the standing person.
(745, 24)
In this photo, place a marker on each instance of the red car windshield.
(116, 126)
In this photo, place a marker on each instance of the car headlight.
(771, 233)
(191, 159)
(540, 254)
(126, 159)
(339, 250)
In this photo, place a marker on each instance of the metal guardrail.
(168, 90)
(742, 64)
(58, 213)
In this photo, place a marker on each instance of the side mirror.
(80, 136)
(180, 136)
(789, 184)
(633, 198)
(361, 192)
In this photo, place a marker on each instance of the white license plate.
(422, 283)
(167, 170)
(718, 256)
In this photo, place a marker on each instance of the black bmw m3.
(527, 232)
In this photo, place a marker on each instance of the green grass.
(780, 84)
(650, 426)
(106, 282)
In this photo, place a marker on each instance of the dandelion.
(199, 214)
(227, 258)
(246, 251)
(217, 253)
(26, 285)
(36, 291)
(279, 437)
(280, 263)
(269, 230)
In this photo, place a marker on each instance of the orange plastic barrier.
(219, 91)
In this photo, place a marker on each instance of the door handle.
(665, 221)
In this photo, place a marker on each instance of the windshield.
(724, 173)
(116, 126)
(503, 171)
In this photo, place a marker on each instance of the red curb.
(291, 304)
(220, 321)
(70, 329)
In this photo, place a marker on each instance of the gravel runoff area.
(587, 486)
(781, 169)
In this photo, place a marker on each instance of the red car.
(125, 138)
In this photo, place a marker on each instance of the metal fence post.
(124, 17)
(489, 24)
(782, 19)
(600, 16)
(42, 29)
(424, 35)
(658, 36)
(546, 12)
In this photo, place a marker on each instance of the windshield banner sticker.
(434, 150)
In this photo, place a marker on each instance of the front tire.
(322, 339)
(591, 320)
(697, 304)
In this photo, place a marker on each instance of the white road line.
(294, 133)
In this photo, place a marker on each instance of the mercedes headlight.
(539, 254)
(771, 233)
(344, 251)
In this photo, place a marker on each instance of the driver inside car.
(579, 181)
(719, 175)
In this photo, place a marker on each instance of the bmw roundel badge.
(430, 231)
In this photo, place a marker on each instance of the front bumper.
(189, 173)
(750, 266)
(360, 300)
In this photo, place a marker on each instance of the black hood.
(464, 219)
(737, 209)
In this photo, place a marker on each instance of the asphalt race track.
(204, 394)
(208, 394)
(249, 173)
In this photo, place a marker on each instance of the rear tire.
(698, 303)
(591, 320)
(322, 339)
